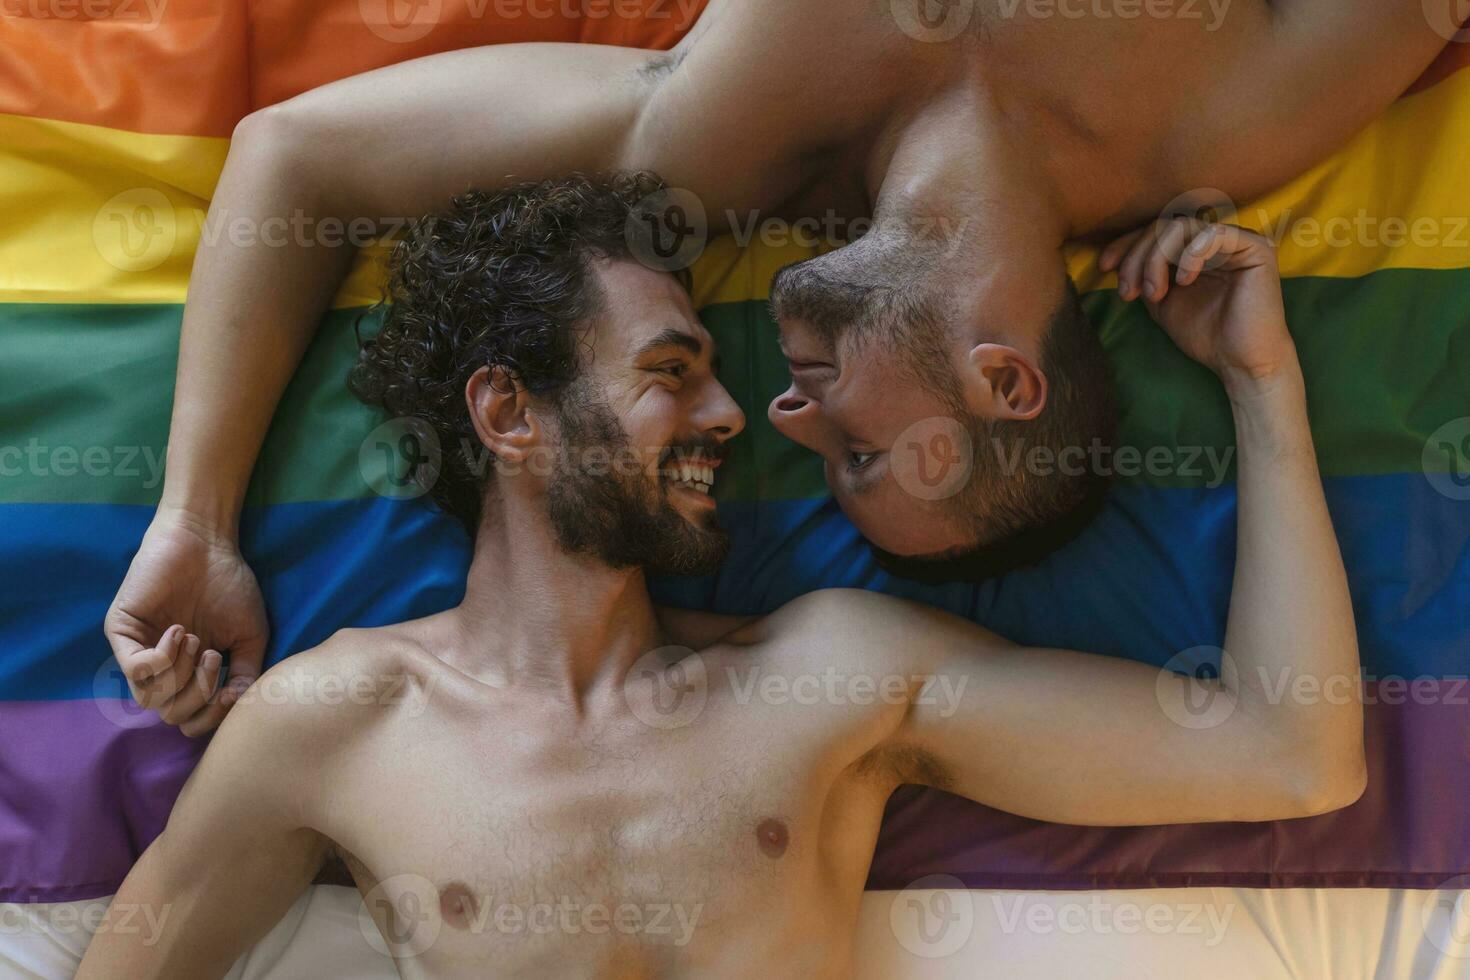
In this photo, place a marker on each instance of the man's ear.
(500, 410)
(1003, 383)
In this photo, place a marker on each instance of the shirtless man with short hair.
(551, 744)
(977, 157)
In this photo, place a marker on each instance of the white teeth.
(695, 475)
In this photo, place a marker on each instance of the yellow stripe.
(1396, 197)
(96, 215)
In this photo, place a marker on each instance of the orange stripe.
(182, 74)
(195, 67)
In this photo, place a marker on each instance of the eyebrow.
(671, 338)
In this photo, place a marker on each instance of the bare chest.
(474, 848)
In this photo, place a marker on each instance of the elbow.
(276, 127)
(280, 143)
(1321, 787)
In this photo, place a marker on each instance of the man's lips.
(694, 473)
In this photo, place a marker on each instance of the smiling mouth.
(696, 473)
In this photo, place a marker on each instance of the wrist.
(1245, 385)
(213, 515)
(1270, 412)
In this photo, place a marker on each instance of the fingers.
(1130, 267)
(172, 676)
(203, 715)
(194, 689)
(1111, 255)
(1200, 250)
(1166, 251)
(209, 716)
(1143, 257)
(143, 667)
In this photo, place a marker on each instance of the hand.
(1222, 306)
(188, 595)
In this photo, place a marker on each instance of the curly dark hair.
(500, 279)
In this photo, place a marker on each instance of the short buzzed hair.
(1018, 517)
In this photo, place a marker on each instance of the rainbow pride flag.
(114, 124)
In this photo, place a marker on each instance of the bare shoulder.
(322, 696)
(862, 630)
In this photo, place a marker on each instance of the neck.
(536, 617)
(956, 183)
(962, 151)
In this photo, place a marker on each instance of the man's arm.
(387, 145)
(234, 856)
(1078, 738)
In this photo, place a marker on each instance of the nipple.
(773, 837)
(457, 905)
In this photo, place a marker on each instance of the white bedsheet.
(1199, 933)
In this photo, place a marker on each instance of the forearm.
(368, 152)
(252, 310)
(1290, 631)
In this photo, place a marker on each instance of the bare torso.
(786, 103)
(725, 832)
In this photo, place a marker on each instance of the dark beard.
(623, 519)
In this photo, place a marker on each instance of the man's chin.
(701, 551)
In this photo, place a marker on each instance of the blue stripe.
(1149, 578)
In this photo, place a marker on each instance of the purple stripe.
(1411, 829)
(84, 787)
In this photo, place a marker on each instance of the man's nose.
(721, 415)
(795, 416)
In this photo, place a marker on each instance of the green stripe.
(1386, 359)
(85, 393)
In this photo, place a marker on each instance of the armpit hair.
(661, 65)
(904, 764)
